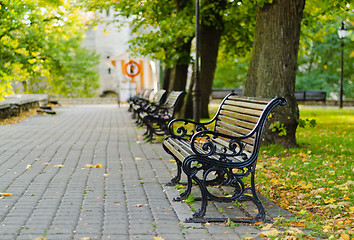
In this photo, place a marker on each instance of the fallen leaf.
(59, 166)
(28, 166)
(331, 200)
(345, 236)
(304, 185)
(294, 231)
(89, 166)
(269, 233)
(138, 205)
(138, 159)
(85, 238)
(158, 238)
(37, 159)
(173, 161)
(5, 194)
(98, 165)
(267, 227)
(106, 174)
(40, 239)
(47, 163)
(295, 224)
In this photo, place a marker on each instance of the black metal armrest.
(202, 145)
(186, 128)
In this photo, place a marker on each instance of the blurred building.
(120, 73)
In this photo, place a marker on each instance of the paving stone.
(56, 196)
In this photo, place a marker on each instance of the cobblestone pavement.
(51, 164)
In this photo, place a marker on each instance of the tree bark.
(166, 78)
(210, 36)
(179, 72)
(273, 65)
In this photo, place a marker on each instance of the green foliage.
(231, 72)
(37, 53)
(278, 127)
(320, 48)
(303, 123)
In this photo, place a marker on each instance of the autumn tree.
(273, 65)
(37, 52)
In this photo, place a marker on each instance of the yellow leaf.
(89, 166)
(295, 224)
(294, 231)
(158, 238)
(138, 159)
(5, 194)
(59, 166)
(345, 236)
(331, 200)
(303, 211)
(269, 233)
(37, 159)
(351, 209)
(327, 228)
(267, 227)
(106, 174)
(40, 239)
(47, 163)
(98, 165)
(173, 161)
(28, 166)
(304, 185)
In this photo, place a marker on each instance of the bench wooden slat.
(240, 110)
(235, 121)
(248, 118)
(232, 129)
(250, 99)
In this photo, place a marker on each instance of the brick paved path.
(55, 196)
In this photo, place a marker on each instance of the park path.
(85, 173)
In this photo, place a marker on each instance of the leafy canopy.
(37, 53)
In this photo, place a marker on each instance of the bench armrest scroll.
(202, 145)
(179, 128)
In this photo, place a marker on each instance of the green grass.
(316, 180)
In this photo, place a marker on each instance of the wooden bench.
(224, 155)
(302, 95)
(139, 98)
(221, 93)
(140, 111)
(157, 118)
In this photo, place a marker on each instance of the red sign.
(132, 68)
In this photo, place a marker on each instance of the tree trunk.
(273, 65)
(210, 35)
(179, 72)
(166, 78)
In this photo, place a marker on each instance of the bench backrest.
(244, 116)
(158, 96)
(172, 101)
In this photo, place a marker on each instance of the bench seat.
(223, 154)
